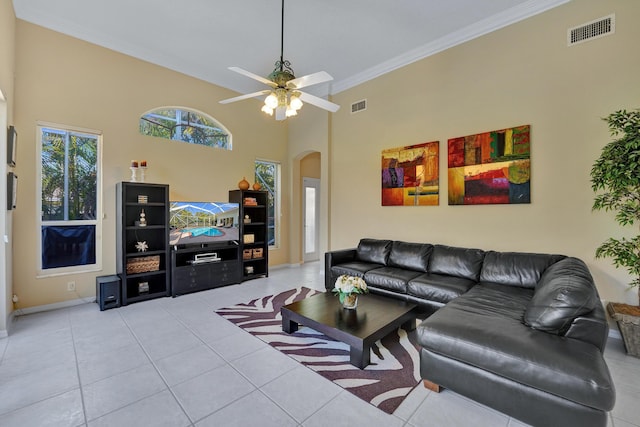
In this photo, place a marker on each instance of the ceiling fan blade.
(253, 76)
(319, 102)
(309, 79)
(281, 113)
(247, 96)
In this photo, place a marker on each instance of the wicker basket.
(628, 324)
(257, 252)
(143, 264)
(246, 254)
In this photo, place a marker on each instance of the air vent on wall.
(358, 106)
(592, 30)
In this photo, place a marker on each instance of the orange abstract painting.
(410, 175)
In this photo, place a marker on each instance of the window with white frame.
(70, 199)
(268, 175)
(186, 125)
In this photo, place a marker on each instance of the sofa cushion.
(354, 268)
(412, 256)
(373, 250)
(459, 262)
(564, 292)
(390, 278)
(439, 288)
(483, 328)
(516, 268)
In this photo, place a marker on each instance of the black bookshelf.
(253, 243)
(144, 274)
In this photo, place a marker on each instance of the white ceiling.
(353, 40)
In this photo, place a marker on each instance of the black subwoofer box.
(108, 292)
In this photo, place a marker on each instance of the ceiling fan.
(284, 96)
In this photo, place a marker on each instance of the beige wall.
(7, 52)
(522, 74)
(7, 63)
(63, 80)
(310, 166)
(309, 139)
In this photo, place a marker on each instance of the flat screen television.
(197, 223)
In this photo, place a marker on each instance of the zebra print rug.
(394, 370)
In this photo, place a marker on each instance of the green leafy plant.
(616, 177)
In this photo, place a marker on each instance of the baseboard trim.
(282, 266)
(614, 333)
(54, 306)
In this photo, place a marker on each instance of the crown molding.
(480, 28)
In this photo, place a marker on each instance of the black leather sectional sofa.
(520, 332)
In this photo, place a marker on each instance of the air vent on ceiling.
(358, 106)
(591, 30)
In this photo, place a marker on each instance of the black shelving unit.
(254, 251)
(144, 274)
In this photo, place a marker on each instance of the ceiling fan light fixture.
(284, 96)
(271, 101)
(281, 95)
(295, 101)
(291, 112)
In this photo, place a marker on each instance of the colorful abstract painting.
(490, 168)
(410, 175)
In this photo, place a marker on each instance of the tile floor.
(174, 362)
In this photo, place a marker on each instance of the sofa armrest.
(592, 328)
(335, 258)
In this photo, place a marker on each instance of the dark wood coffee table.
(375, 317)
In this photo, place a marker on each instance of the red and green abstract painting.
(490, 168)
(410, 175)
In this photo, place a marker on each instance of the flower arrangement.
(348, 285)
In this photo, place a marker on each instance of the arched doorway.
(310, 219)
(309, 179)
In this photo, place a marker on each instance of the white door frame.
(6, 288)
(313, 255)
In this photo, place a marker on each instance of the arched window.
(181, 124)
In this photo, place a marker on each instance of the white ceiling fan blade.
(319, 102)
(281, 112)
(247, 96)
(309, 79)
(253, 76)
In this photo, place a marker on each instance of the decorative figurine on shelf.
(142, 246)
(143, 169)
(244, 184)
(247, 219)
(143, 219)
(134, 170)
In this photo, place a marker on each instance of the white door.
(311, 221)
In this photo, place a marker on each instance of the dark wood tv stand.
(193, 271)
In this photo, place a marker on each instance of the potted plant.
(615, 176)
(348, 288)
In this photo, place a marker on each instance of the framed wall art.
(410, 175)
(12, 141)
(490, 168)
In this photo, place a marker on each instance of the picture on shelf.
(203, 222)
